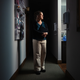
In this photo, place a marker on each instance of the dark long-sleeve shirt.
(38, 30)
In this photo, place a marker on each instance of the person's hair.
(36, 13)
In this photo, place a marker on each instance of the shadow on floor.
(49, 58)
(26, 72)
(53, 71)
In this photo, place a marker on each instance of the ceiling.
(39, 1)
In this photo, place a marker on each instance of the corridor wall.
(55, 31)
(73, 42)
(8, 45)
(53, 35)
(56, 35)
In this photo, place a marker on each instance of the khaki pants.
(39, 53)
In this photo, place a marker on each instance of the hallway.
(11, 60)
(53, 71)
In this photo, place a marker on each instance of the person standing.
(40, 32)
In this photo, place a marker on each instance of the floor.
(63, 67)
(53, 71)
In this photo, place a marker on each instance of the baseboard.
(17, 71)
(69, 75)
(59, 61)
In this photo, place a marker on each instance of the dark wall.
(44, 6)
(53, 39)
(73, 41)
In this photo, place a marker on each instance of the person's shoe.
(37, 72)
(43, 70)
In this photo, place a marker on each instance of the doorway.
(63, 32)
(63, 37)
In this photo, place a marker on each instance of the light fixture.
(28, 8)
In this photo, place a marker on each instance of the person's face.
(40, 16)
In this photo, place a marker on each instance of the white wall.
(73, 42)
(23, 42)
(8, 45)
(23, 45)
(59, 29)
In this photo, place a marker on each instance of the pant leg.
(43, 54)
(37, 54)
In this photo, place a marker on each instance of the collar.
(41, 24)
